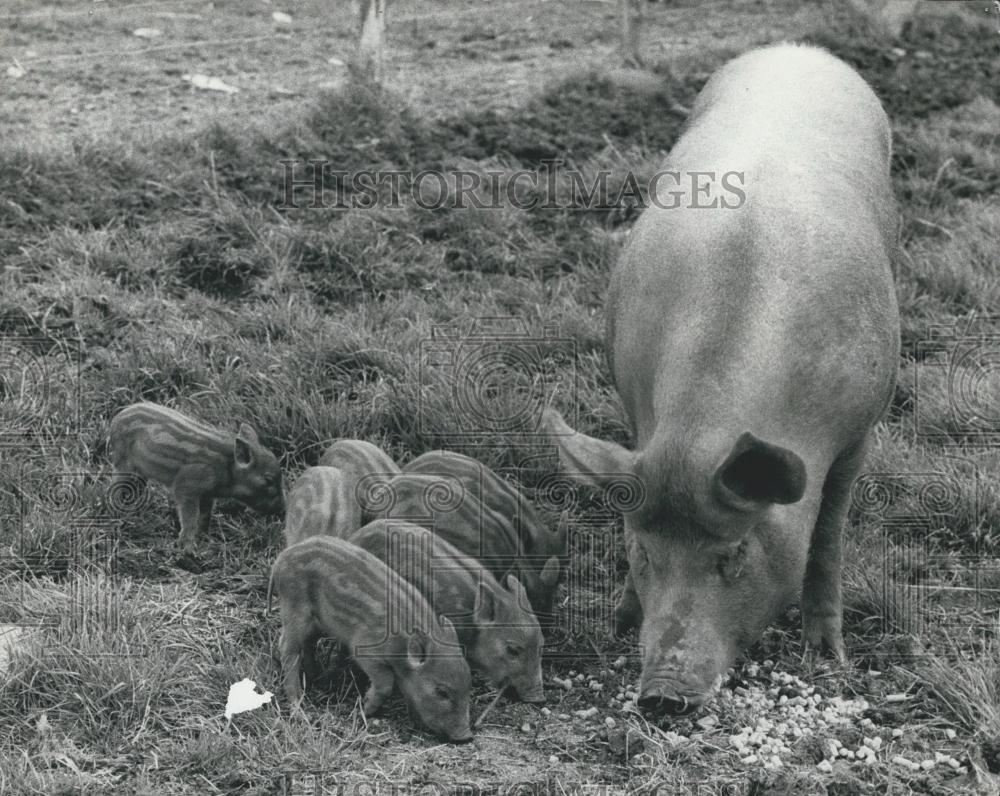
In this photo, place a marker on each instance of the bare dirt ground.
(88, 75)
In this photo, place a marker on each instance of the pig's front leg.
(290, 645)
(822, 601)
(189, 514)
(382, 681)
(205, 505)
(309, 665)
(628, 610)
(191, 490)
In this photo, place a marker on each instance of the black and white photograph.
(499, 397)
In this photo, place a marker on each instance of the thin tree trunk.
(631, 15)
(371, 38)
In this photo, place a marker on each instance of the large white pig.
(753, 335)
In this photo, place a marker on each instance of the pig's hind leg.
(822, 604)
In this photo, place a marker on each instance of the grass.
(185, 281)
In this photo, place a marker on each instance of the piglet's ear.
(756, 474)
(447, 626)
(246, 441)
(514, 587)
(416, 649)
(549, 575)
(485, 610)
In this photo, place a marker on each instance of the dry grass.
(172, 264)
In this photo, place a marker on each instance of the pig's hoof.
(189, 561)
(371, 706)
(819, 639)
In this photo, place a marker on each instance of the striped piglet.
(499, 632)
(331, 588)
(327, 500)
(197, 462)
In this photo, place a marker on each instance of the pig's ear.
(595, 461)
(486, 609)
(757, 473)
(549, 576)
(243, 448)
(416, 649)
(446, 625)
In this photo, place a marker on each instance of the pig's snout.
(535, 696)
(669, 699)
(532, 691)
(463, 737)
(658, 704)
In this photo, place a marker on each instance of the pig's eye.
(513, 651)
(442, 692)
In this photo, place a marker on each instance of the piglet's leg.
(205, 505)
(821, 592)
(188, 511)
(291, 643)
(309, 665)
(382, 681)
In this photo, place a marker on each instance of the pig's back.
(777, 313)
(157, 441)
(360, 458)
(321, 503)
(503, 499)
(350, 594)
(446, 577)
(442, 503)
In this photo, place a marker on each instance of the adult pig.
(754, 345)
